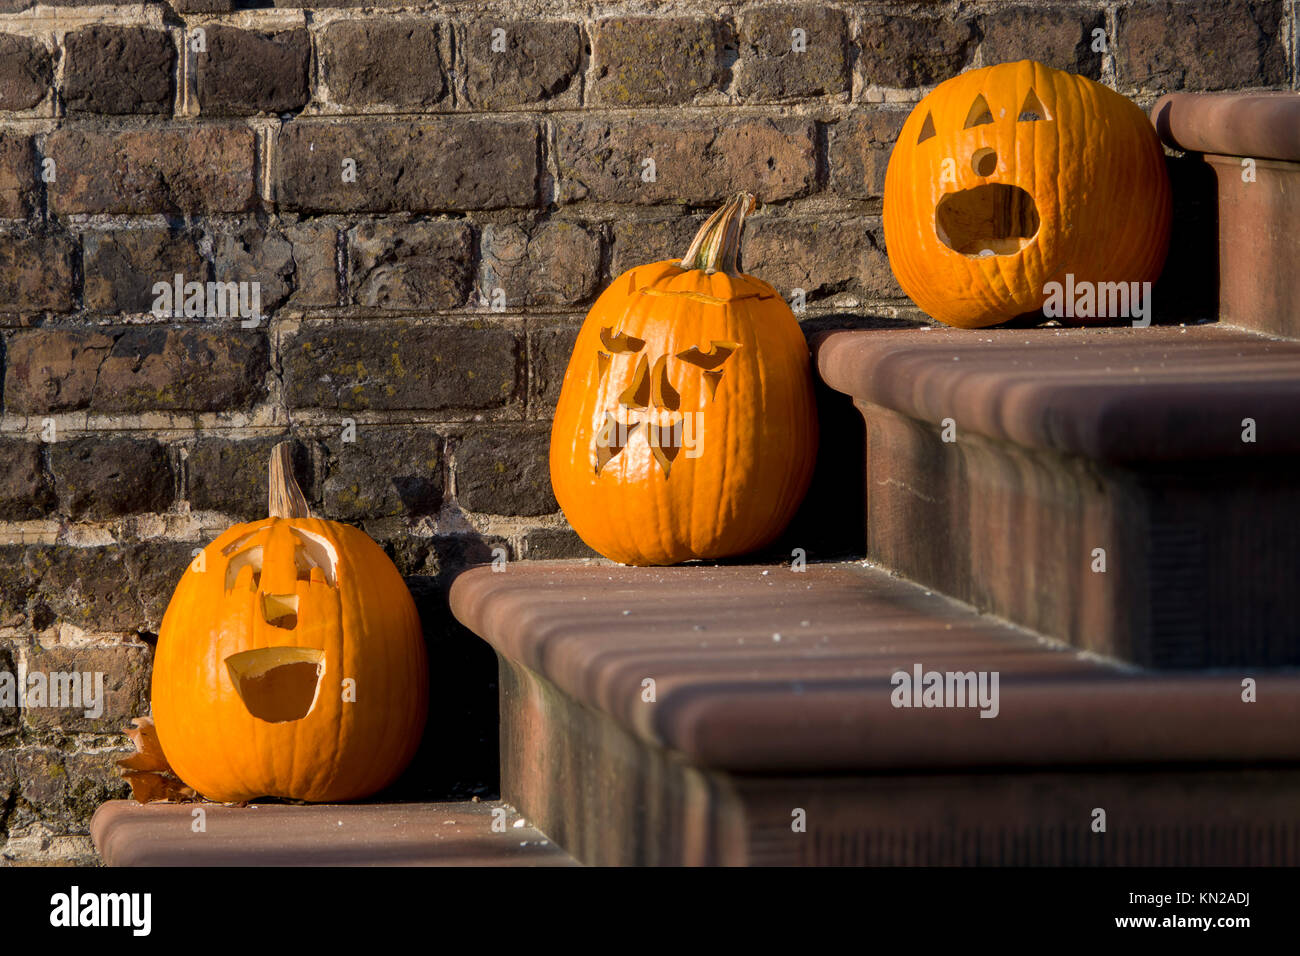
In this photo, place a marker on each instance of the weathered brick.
(25, 72)
(315, 262)
(1212, 45)
(384, 62)
(771, 68)
(429, 563)
(417, 265)
(189, 369)
(134, 369)
(105, 477)
(253, 253)
(695, 161)
(37, 272)
(168, 169)
(122, 266)
(85, 587)
(907, 51)
(1062, 37)
(505, 470)
(539, 62)
(550, 544)
(66, 787)
(244, 71)
(414, 558)
(549, 263)
(384, 472)
(117, 676)
(48, 370)
(203, 6)
(638, 242)
(229, 475)
(155, 567)
(99, 589)
(119, 69)
(10, 717)
(17, 176)
(25, 488)
(16, 582)
(821, 256)
(859, 152)
(404, 365)
(324, 4)
(650, 60)
(434, 166)
(549, 348)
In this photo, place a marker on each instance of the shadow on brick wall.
(457, 758)
(1188, 289)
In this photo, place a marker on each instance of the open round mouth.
(277, 684)
(989, 220)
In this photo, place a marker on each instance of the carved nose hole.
(637, 395)
(662, 392)
(280, 610)
(984, 161)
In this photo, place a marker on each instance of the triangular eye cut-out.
(927, 129)
(620, 341)
(979, 113)
(1033, 110)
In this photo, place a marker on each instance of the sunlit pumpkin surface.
(1007, 178)
(663, 345)
(249, 696)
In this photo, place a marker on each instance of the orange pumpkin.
(290, 661)
(686, 425)
(1011, 177)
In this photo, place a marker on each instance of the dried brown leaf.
(146, 771)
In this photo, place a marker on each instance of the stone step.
(772, 694)
(127, 833)
(1251, 143)
(1003, 465)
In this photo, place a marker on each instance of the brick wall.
(430, 303)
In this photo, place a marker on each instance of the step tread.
(127, 833)
(1260, 124)
(732, 697)
(1113, 394)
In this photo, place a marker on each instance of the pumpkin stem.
(716, 247)
(284, 498)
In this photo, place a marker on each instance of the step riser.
(599, 793)
(1259, 245)
(611, 799)
(1012, 530)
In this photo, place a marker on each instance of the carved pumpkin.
(686, 425)
(1014, 176)
(290, 661)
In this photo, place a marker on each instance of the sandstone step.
(269, 834)
(1004, 466)
(771, 701)
(1251, 141)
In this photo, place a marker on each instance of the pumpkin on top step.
(1011, 177)
(290, 661)
(686, 425)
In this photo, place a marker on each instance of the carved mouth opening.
(989, 220)
(277, 684)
